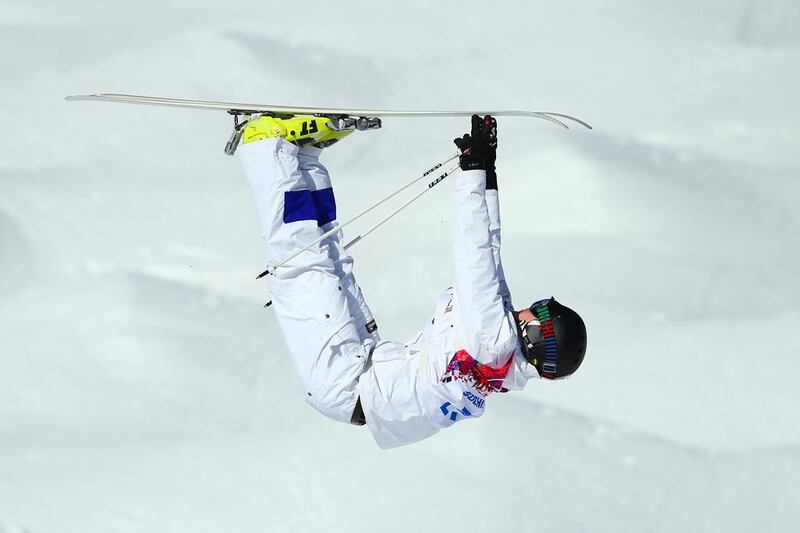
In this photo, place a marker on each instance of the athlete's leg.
(307, 294)
(320, 181)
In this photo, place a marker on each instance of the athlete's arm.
(481, 313)
(481, 321)
(493, 206)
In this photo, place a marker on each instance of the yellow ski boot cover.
(299, 130)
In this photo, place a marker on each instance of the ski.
(239, 108)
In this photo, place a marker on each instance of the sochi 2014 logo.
(452, 411)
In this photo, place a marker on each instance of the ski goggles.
(539, 341)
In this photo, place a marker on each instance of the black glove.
(479, 148)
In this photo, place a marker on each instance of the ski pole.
(272, 269)
(391, 215)
(396, 211)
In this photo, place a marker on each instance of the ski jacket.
(468, 350)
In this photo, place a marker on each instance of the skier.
(474, 345)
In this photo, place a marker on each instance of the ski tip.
(568, 117)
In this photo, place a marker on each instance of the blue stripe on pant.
(309, 205)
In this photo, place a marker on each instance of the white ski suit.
(408, 391)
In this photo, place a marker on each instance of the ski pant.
(326, 324)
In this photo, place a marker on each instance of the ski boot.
(300, 130)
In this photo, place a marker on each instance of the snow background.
(143, 388)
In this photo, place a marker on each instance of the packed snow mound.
(770, 23)
(159, 356)
(17, 263)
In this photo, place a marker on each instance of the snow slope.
(143, 387)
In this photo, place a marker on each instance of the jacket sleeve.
(493, 207)
(481, 320)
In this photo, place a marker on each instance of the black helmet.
(557, 344)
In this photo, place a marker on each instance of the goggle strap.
(549, 366)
